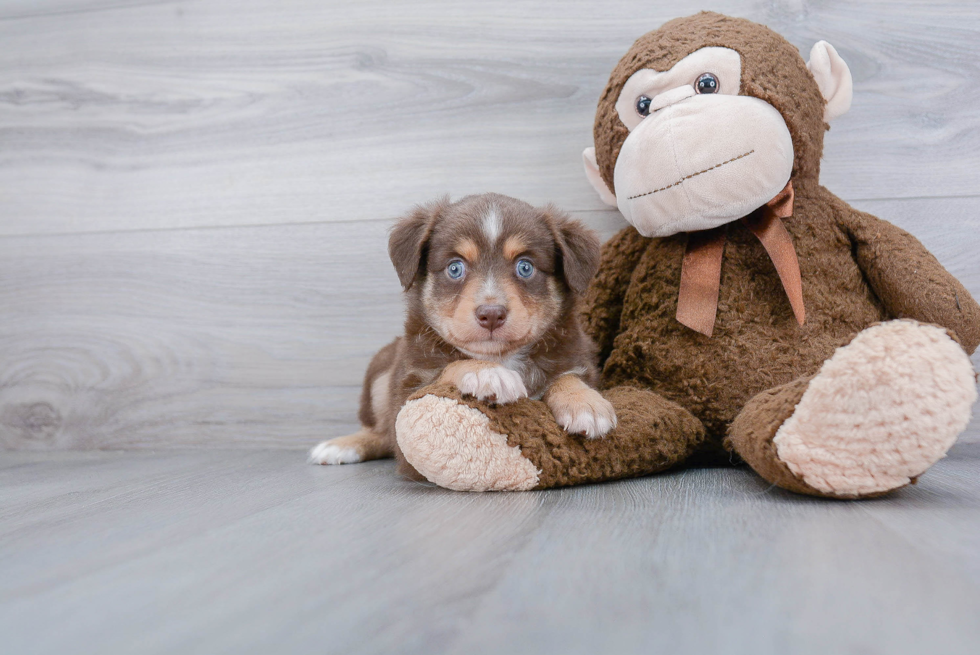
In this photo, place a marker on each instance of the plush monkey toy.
(747, 309)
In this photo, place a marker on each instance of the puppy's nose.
(491, 316)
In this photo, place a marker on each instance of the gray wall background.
(194, 196)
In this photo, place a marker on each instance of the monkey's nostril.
(491, 316)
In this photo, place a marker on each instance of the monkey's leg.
(879, 413)
(467, 445)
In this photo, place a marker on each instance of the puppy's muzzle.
(491, 317)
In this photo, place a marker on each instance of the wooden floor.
(194, 199)
(257, 552)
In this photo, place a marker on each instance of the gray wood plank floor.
(257, 552)
(193, 205)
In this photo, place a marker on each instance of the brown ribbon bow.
(697, 300)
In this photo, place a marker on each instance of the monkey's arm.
(909, 280)
(603, 302)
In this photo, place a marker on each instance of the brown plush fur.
(772, 70)
(628, 451)
(675, 390)
(753, 430)
(857, 270)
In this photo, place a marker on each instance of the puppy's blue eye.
(525, 268)
(456, 269)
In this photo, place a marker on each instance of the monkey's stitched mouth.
(688, 177)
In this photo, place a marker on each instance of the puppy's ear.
(578, 247)
(409, 239)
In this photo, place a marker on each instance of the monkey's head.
(707, 118)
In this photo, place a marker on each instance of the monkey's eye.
(456, 269)
(707, 83)
(525, 268)
(643, 106)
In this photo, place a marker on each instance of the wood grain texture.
(257, 552)
(194, 196)
(250, 336)
(135, 115)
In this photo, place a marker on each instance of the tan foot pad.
(453, 446)
(881, 411)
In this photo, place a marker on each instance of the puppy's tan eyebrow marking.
(514, 246)
(468, 250)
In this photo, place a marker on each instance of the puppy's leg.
(372, 440)
(485, 380)
(358, 447)
(579, 408)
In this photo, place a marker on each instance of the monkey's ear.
(409, 238)
(595, 178)
(578, 247)
(833, 78)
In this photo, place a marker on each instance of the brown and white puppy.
(492, 287)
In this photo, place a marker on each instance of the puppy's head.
(490, 273)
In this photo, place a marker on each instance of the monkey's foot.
(877, 415)
(454, 446)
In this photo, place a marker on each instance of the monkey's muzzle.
(702, 162)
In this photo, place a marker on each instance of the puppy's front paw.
(328, 452)
(583, 411)
(497, 384)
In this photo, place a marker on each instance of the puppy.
(492, 286)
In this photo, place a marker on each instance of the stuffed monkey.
(747, 312)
